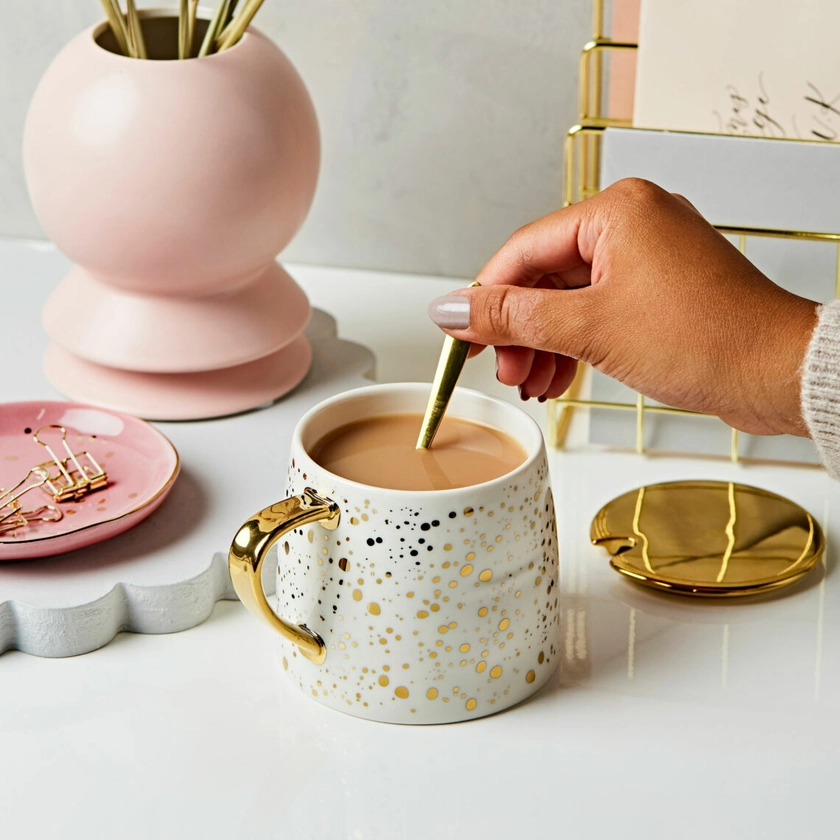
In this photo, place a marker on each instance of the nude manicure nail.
(451, 311)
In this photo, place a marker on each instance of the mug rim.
(534, 448)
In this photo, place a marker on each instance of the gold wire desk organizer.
(581, 177)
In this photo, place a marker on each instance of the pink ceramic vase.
(173, 185)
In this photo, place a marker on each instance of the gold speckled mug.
(403, 606)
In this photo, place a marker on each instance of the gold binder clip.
(12, 523)
(11, 515)
(24, 518)
(45, 513)
(67, 477)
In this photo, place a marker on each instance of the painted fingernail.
(542, 399)
(451, 311)
(497, 369)
(522, 395)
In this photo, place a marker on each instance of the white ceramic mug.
(410, 606)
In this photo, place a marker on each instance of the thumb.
(554, 320)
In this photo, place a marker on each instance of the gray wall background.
(442, 121)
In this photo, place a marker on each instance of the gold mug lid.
(708, 538)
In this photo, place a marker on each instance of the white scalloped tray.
(165, 574)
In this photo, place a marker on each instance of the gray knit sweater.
(821, 387)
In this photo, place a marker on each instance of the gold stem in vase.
(191, 15)
(114, 20)
(216, 25)
(135, 30)
(229, 16)
(126, 29)
(235, 29)
(451, 362)
(183, 29)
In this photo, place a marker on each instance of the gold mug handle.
(250, 546)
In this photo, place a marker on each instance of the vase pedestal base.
(180, 396)
(175, 333)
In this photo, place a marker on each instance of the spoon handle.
(451, 362)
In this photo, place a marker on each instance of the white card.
(736, 181)
(767, 68)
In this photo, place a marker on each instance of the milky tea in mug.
(432, 599)
(382, 451)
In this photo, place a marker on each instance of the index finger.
(554, 244)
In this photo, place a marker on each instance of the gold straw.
(236, 28)
(136, 32)
(215, 26)
(114, 20)
(451, 362)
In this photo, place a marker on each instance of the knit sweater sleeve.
(821, 387)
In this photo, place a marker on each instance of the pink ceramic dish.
(140, 462)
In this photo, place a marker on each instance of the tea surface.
(379, 451)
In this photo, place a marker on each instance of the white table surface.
(668, 717)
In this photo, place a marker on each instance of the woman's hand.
(637, 284)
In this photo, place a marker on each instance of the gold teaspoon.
(451, 362)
